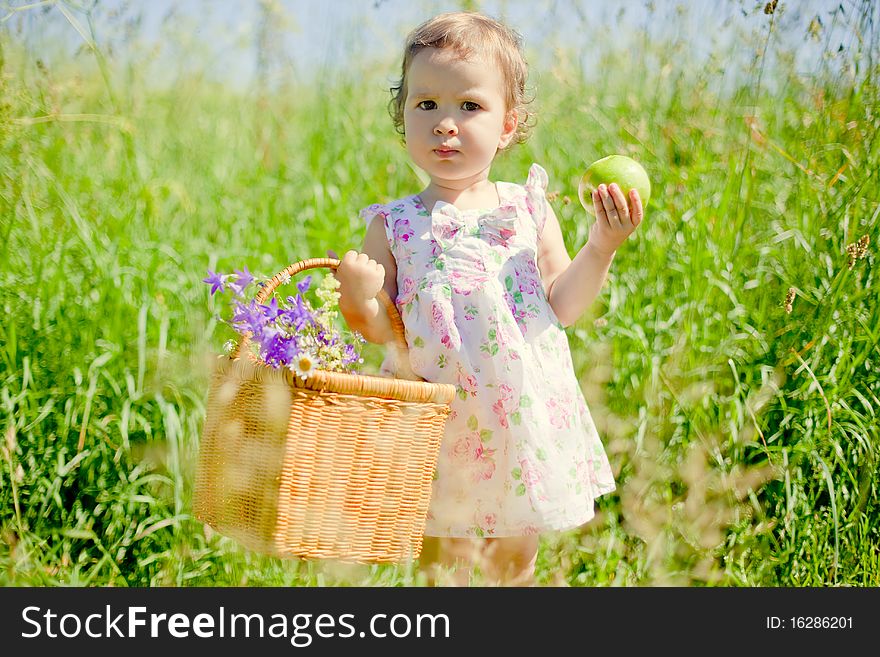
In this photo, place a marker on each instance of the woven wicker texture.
(335, 467)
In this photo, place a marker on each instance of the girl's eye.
(427, 105)
(470, 106)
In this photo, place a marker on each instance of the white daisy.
(303, 364)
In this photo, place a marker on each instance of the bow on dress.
(448, 224)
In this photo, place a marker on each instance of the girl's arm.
(361, 276)
(571, 286)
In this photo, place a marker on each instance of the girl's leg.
(449, 561)
(508, 561)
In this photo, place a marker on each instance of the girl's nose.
(446, 127)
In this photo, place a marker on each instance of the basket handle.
(329, 263)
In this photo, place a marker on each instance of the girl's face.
(455, 118)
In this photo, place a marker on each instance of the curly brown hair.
(468, 34)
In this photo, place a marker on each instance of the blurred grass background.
(731, 363)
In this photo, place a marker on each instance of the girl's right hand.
(616, 219)
(360, 279)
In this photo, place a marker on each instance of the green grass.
(744, 438)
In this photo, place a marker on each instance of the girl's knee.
(508, 561)
(517, 549)
(511, 560)
(449, 561)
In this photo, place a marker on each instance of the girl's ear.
(508, 130)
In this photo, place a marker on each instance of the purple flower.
(286, 332)
(244, 279)
(275, 349)
(271, 311)
(215, 281)
(297, 316)
(247, 317)
(304, 284)
(351, 355)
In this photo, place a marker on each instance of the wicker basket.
(335, 467)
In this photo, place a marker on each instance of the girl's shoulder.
(397, 217)
(406, 205)
(531, 196)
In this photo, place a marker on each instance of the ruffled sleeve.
(536, 195)
(381, 211)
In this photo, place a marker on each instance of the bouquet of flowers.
(291, 332)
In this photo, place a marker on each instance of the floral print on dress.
(559, 412)
(465, 284)
(466, 383)
(442, 325)
(520, 453)
(506, 406)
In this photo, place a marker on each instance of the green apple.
(624, 171)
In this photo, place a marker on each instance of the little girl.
(484, 285)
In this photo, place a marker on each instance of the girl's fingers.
(610, 207)
(620, 204)
(601, 215)
(638, 212)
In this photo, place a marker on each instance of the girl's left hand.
(615, 219)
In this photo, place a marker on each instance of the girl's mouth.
(445, 152)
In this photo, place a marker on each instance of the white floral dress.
(520, 453)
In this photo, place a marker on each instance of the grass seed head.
(858, 250)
